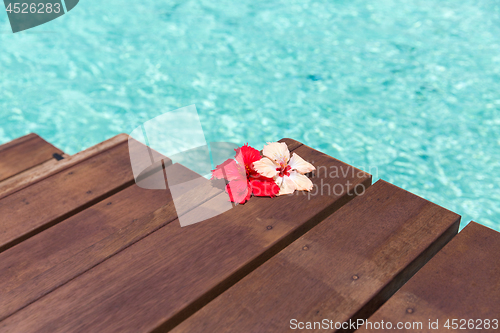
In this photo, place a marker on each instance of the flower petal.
(277, 151)
(264, 187)
(287, 186)
(239, 191)
(249, 154)
(302, 183)
(229, 170)
(299, 164)
(266, 167)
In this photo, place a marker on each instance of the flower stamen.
(284, 170)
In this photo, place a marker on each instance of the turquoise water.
(407, 90)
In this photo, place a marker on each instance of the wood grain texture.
(24, 153)
(460, 282)
(51, 258)
(53, 199)
(162, 279)
(17, 141)
(52, 166)
(342, 269)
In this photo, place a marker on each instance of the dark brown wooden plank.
(461, 282)
(162, 279)
(342, 269)
(51, 258)
(53, 199)
(53, 166)
(24, 153)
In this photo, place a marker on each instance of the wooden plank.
(461, 282)
(51, 258)
(15, 142)
(24, 153)
(164, 278)
(342, 269)
(53, 199)
(53, 166)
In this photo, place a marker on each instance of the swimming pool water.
(407, 90)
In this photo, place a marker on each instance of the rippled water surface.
(407, 90)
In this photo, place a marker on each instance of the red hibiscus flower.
(243, 179)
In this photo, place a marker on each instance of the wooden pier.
(85, 249)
